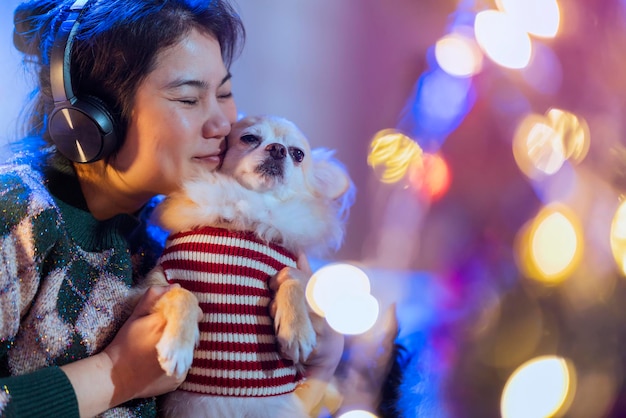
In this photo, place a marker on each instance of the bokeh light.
(538, 388)
(503, 39)
(341, 293)
(353, 313)
(537, 17)
(618, 237)
(542, 146)
(554, 244)
(458, 55)
(396, 153)
(542, 143)
(551, 246)
(432, 178)
(573, 132)
(333, 279)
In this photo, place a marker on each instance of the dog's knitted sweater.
(229, 272)
(63, 279)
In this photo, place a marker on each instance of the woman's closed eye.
(189, 102)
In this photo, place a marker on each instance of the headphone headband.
(60, 61)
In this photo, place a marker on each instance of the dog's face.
(267, 153)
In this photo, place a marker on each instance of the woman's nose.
(217, 124)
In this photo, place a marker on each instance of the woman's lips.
(210, 159)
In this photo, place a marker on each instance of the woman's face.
(181, 115)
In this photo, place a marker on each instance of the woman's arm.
(128, 368)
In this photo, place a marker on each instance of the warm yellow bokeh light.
(545, 148)
(549, 248)
(538, 388)
(573, 132)
(502, 39)
(537, 17)
(396, 153)
(521, 143)
(458, 55)
(542, 143)
(618, 237)
(554, 245)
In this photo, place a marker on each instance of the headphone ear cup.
(84, 131)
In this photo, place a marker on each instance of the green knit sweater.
(64, 277)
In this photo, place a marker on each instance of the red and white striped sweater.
(229, 272)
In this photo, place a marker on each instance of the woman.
(73, 238)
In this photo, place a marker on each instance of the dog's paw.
(294, 330)
(296, 346)
(174, 357)
(181, 334)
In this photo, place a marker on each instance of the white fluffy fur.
(301, 205)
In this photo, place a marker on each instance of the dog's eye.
(250, 139)
(297, 154)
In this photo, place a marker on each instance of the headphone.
(82, 128)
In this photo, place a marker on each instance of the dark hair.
(115, 47)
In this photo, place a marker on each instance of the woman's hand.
(127, 368)
(136, 370)
(322, 363)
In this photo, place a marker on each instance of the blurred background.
(488, 237)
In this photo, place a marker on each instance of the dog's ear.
(330, 178)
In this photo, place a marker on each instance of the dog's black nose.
(277, 151)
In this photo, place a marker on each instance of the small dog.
(230, 231)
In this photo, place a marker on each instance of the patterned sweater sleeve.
(27, 231)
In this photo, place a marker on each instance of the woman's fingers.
(149, 298)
